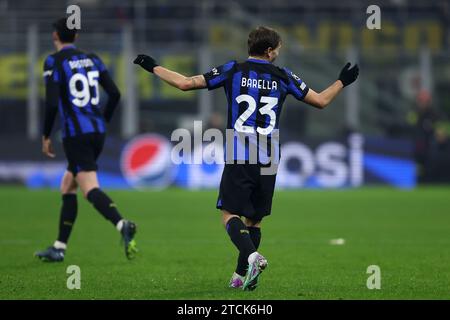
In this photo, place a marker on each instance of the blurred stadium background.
(390, 128)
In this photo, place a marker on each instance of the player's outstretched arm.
(171, 77)
(323, 99)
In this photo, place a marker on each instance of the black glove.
(348, 75)
(146, 62)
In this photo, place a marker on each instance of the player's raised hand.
(47, 147)
(348, 75)
(146, 62)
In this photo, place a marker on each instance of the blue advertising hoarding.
(146, 162)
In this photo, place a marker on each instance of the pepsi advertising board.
(146, 162)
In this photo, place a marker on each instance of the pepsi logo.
(146, 162)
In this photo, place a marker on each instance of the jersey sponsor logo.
(258, 84)
(295, 76)
(83, 63)
(145, 161)
(302, 84)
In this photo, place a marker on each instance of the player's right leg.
(237, 186)
(254, 228)
(67, 219)
(107, 208)
(261, 201)
(255, 263)
(250, 262)
(238, 277)
(240, 236)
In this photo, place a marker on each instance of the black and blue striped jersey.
(255, 90)
(72, 80)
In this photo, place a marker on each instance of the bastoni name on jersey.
(258, 84)
(82, 63)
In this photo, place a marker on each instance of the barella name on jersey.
(259, 84)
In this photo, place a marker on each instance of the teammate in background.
(72, 80)
(256, 90)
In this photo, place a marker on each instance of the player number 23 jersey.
(256, 90)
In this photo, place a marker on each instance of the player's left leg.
(69, 209)
(67, 219)
(90, 187)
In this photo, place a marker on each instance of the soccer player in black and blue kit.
(72, 80)
(255, 90)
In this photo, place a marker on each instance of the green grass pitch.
(186, 254)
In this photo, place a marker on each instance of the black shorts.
(245, 192)
(83, 151)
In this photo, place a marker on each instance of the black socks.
(104, 205)
(240, 236)
(255, 234)
(242, 264)
(67, 217)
